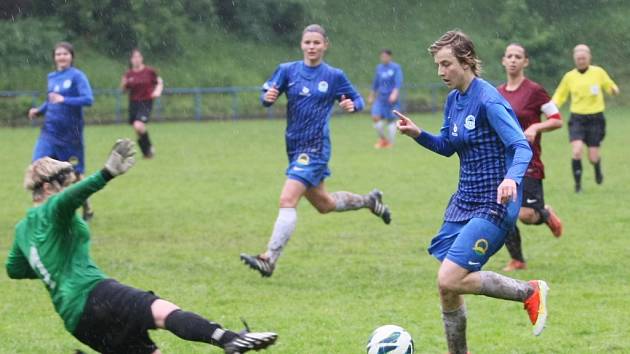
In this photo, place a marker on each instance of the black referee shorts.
(590, 128)
(140, 110)
(533, 195)
(116, 319)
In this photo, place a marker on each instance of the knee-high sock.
(145, 143)
(345, 201)
(576, 165)
(598, 169)
(282, 231)
(192, 327)
(543, 215)
(391, 128)
(455, 330)
(501, 287)
(513, 244)
(379, 126)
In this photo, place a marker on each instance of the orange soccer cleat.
(515, 265)
(554, 222)
(536, 306)
(381, 143)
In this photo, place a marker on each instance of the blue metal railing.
(429, 91)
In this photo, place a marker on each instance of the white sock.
(282, 231)
(391, 127)
(380, 130)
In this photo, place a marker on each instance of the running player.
(586, 85)
(311, 86)
(53, 244)
(144, 85)
(61, 135)
(384, 98)
(481, 128)
(529, 100)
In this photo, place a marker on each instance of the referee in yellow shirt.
(586, 85)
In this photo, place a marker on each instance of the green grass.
(176, 225)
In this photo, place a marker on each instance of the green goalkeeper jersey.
(52, 243)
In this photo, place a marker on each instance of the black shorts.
(116, 319)
(590, 128)
(140, 110)
(533, 196)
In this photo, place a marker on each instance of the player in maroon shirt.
(144, 85)
(529, 100)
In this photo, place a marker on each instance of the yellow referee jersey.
(586, 90)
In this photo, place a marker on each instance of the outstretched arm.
(436, 143)
(120, 160)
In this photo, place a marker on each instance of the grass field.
(176, 225)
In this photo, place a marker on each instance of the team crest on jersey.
(322, 86)
(67, 84)
(454, 132)
(305, 91)
(470, 122)
(481, 246)
(303, 159)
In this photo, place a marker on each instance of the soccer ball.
(390, 339)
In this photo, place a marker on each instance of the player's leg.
(379, 124)
(577, 134)
(391, 130)
(140, 121)
(460, 273)
(595, 134)
(193, 327)
(514, 246)
(341, 201)
(284, 227)
(534, 211)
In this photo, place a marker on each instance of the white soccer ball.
(390, 339)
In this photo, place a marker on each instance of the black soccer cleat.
(578, 188)
(378, 208)
(258, 263)
(599, 178)
(250, 341)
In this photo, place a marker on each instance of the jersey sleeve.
(438, 143)
(512, 137)
(85, 97)
(17, 264)
(544, 104)
(344, 88)
(562, 91)
(607, 83)
(278, 80)
(398, 78)
(63, 205)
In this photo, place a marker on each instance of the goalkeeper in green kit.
(52, 243)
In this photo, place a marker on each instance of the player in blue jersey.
(61, 136)
(384, 98)
(480, 126)
(311, 87)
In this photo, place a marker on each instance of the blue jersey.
(311, 95)
(64, 121)
(387, 78)
(482, 129)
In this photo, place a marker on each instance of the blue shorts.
(468, 244)
(383, 109)
(71, 153)
(310, 173)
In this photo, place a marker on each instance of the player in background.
(53, 244)
(586, 85)
(144, 85)
(311, 87)
(481, 128)
(385, 97)
(529, 100)
(61, 136)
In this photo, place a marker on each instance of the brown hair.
(317, 29)
(132, 52)
(520, 46)
(67, 46)
(60, 174)
(462, 46)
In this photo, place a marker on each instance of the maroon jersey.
(141, 83)
(526, 101)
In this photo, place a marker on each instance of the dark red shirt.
(141, 83)
(526, 101)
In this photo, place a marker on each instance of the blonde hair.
(59, 174)
(463, 49)
(317, 29)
